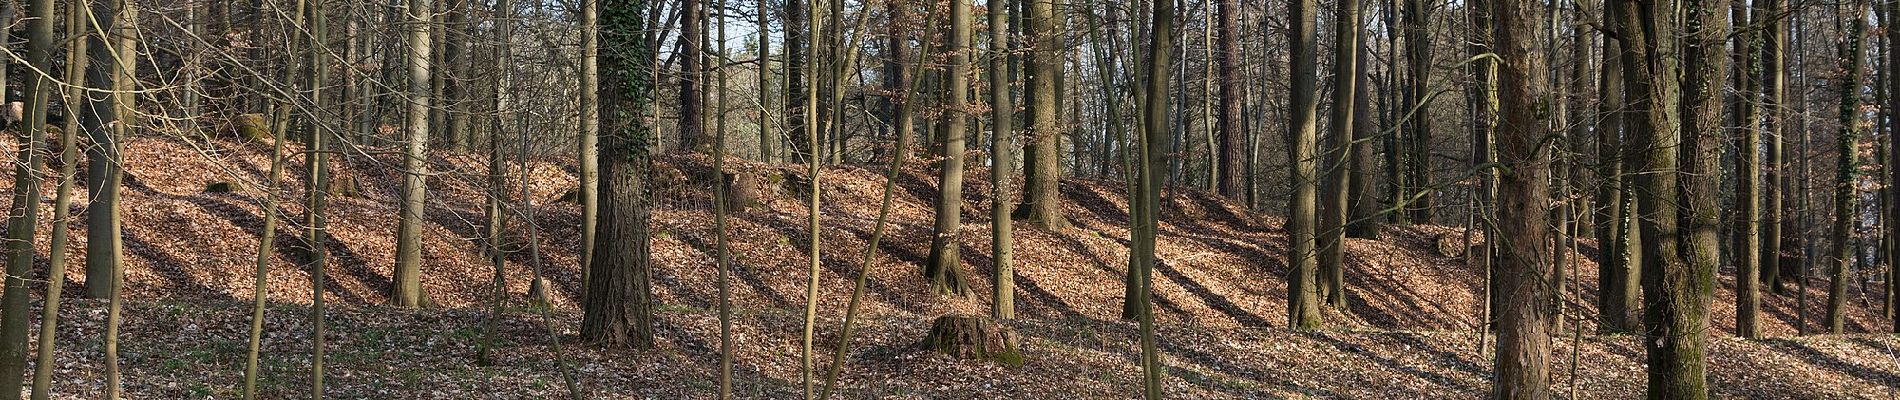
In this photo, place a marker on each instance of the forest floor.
(1408, 330)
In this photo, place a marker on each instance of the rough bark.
(1524, 155)
(1232, 138)
(1846, 196)
(617, 310)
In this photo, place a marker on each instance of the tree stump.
(252, 127)
(743, 191)
(1449, 245)
(968, 337)
(223, 187)
(538, 292)
(345, 185)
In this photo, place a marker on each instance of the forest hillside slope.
(1220, 296)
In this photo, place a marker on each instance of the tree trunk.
(617, 310)
(456, 68)
(100, 120)
(1892, 162)
(1846, 196)
(1523, 353)
(1334, 206)
(944, 267)
(1774, 90)
(588, 156)
(796, 47)
(1232, 138)
(1302, 290)
(1418, 130)
(692, 74)
(1749, 185)
(1675, 357)
(1003, 164)
(317, 173)
(1616, 280)
(415, 164)
(22, 226)
(62, 203)
(1154, 119)
(1042, 197)
(1362, 222)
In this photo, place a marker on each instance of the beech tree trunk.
(22, 226)
(415, 163)
(1042, 197)
(1302, 289)
(1334, 206)
(944, 267)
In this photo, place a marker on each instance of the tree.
(692, 74)
(415, 162)
(1042, 197)
(721, 256)
(1335, 204)
(267, 238)
(76, 65)
(1674, 281)
(15, 313)
(120, 58)
(104, 246)
(588, 156)
(1232, 138)
(456, 69)
(1417, 140)
(1749, 184)
(1524, 262)
(317, 183)
(1616, 269)
(1774, 89)
(767, 101)
(797, 46)
(1003, 304)
(1154, 120)
(944, 268)
(1362, 222)
(617, 308)
(1846, 196)
(1891, 26)
(1302, 289)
